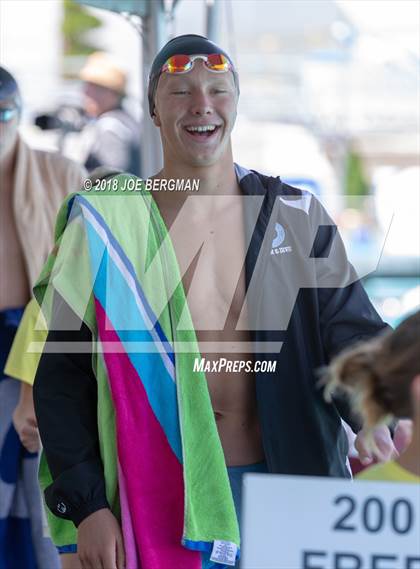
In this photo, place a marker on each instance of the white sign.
(327, 523)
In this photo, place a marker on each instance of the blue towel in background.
(22, 543)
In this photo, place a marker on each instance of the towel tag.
(224, 552)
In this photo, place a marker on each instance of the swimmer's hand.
(386, 447)
(100, 541)
(383, 448)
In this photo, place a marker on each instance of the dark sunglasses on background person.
(7, 114)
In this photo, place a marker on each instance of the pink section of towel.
(152, 473)
(132, 560)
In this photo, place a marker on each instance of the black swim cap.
(189, 44)
(8, 85)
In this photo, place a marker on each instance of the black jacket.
(302, 293)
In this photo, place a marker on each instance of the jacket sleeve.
(65, 399)
(346, 313)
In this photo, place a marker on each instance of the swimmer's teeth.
(207, 128)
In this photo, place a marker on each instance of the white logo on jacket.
(278, 240)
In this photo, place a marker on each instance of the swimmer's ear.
(155, 118)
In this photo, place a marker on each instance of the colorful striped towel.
(166, 476)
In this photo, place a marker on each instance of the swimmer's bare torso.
(216, 295)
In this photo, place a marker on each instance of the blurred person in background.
(384, 377)
(33, 184)
(112, 138)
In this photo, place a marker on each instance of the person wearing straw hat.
(112, 138)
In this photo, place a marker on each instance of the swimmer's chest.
(211, 254)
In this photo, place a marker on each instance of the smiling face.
(196, 112)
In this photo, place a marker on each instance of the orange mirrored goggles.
(216, 62)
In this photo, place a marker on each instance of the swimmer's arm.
(346, 314)
(65, 398)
